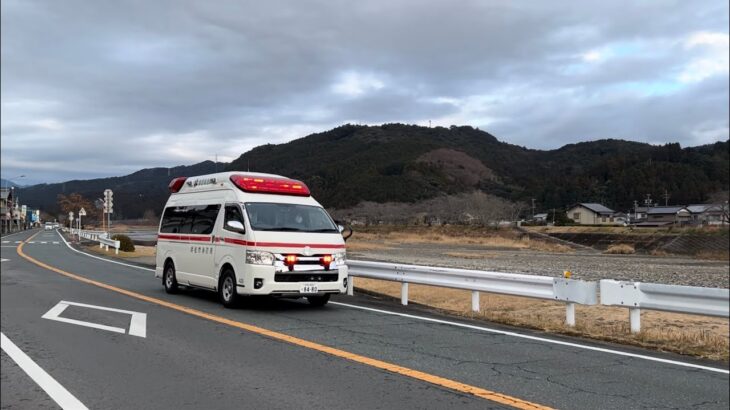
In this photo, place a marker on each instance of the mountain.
(133, 194)
(4, 183)
(406, 163)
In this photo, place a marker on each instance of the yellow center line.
(394, 368)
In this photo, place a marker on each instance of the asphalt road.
(223, 358)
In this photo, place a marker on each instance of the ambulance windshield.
(289, 218)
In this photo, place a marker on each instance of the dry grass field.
(685, 334)
(493, 239)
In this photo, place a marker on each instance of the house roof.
(597, 208)
(541, 215)
(664, 210)
(700, 208)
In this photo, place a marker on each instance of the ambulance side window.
(203, 218)
(233, 213)
(175, 220)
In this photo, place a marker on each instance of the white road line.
(18, 241)
(103, 259)
(6, 241)
(30, 242)
(536, 338)
(44, 242)
(485, 329)
(4, 260)
(137, 325)
(56, 242)
(58, 393)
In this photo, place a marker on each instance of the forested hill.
(396, 162)
(406, 163)
(133, 194)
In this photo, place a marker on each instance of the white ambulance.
(243, 233)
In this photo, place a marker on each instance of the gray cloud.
(105, 88)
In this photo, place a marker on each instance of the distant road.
(356, 353)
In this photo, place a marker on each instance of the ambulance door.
(201, 245)
(232, 241)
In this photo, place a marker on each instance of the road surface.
(186, 351)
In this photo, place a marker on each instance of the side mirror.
(340, 228)
(346, 232)
(235, 226)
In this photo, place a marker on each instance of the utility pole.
(666, 198)
(533, 209)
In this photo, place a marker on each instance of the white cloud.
(354, 84)
(713, 56)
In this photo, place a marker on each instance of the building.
(708, 214)
(668, 215)
(6, 209)
(540, 217)
(588, 213)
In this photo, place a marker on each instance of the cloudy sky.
(99, 88)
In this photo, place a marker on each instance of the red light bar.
(263, 185)
(290, 259)
(176, 184)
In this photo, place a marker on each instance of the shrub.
(125, 243)
(621, 248)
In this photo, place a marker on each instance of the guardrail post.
(116, 250)
(404, 293)
(350, 285)
(101, 245)
(475, 301)
(635, 319)
(570, 314)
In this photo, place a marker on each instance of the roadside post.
(82, 212)
(108, 209)
(71, 223)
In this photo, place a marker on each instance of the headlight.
(340, 258)
(259, 258)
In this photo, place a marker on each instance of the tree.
(74, 202)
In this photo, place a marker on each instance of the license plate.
(308, 288)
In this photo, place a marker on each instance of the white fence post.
(350, 285)
(404, 293)
(635, 319)
(475, 301)
(570, 314)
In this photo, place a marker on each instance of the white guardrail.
(569, 291)
(98, 236)
(633, 295)
(671, 298)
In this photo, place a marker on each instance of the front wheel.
(169, 280)
(227, 289)
(318, 301)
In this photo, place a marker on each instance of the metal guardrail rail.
(98, 236)
(633, 295)
(671, 298)
(569, 291)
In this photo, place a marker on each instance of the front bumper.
(290, 283)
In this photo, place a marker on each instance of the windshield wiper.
(283, 229)
(324, 230)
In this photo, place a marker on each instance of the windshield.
(288, 217)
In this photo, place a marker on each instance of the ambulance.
(245, 233)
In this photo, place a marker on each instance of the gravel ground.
(583, 265)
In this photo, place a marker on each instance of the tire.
(318, 301)
(227, 289)
(169, 281)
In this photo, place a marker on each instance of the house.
(540, 217)
(667, 215)
(6, 209)
(707, 214)
(588, 213)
